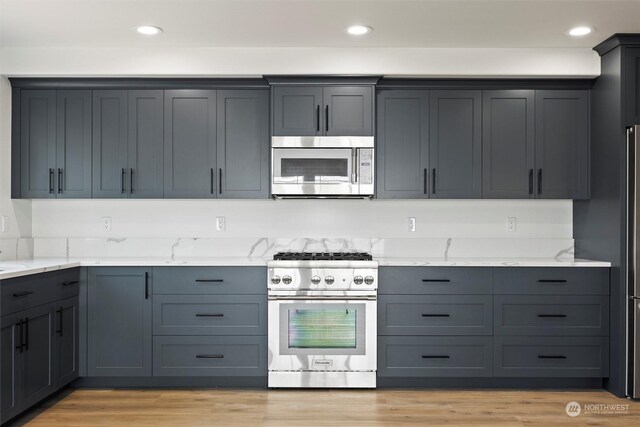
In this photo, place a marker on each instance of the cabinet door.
(562, 144)
(190, 144)
(243, 144)
(508, 144)
(10, 361)
(632, 85)
(348, 110)
(66, 341)
(119, 312)
(37, 143)
(73, 142)
(455, 144)
(146, 148)
(403, 144)
(36, 376)
(296, 111)
(109, 143)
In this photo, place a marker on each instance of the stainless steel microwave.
(322, 167)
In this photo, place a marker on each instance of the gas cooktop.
(322, 256)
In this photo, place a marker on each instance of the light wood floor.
(307, 408)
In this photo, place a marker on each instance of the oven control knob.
(368, 280)
(329, 280)
(357, 280)
(286, 280)
(275, 280)
(315, 280)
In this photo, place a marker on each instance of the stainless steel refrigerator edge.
(633, 276)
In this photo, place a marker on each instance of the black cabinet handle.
(552, 356)
(50, 181)
(210, 356)
(21, 341)
(26, 334)
(59, 331)
(22, 294)
(74, 282)
(552, 281)
(435, 315)
(210, 315)
(530, 181)
(131, 180)
(552, 315)
(425, 179)
(539, 181)
(220, 181)
(211, 178)
(433, 180)
(209, 280)
(60, 180)
(122, 177)
(326, 118)
(146, 285)
(318, 118)
(435, 356)
(436, 280)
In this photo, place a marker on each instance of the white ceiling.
(313, 23)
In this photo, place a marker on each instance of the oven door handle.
(320, 298)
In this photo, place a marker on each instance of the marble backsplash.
(185, 248)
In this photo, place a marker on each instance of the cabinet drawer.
(209, 356)
(209, 315)
(435, 280)
(551, 315)
(552, 281)
(435, 315)
(435, 356)
(551, 356)
(29, 291)
(210, 280)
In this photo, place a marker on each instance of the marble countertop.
(11, 269)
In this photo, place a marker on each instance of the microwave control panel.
(366, 165)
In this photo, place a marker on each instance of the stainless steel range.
(322, 320)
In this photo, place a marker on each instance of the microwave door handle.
(355, 165)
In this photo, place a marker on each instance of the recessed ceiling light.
(148, 30)
(580, 31)
(358, 30)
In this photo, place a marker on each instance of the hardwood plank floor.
(326, 408)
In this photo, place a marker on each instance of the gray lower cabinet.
(210, 280)
(66, 330)
(210, 356)
(426, 356)
(551, 281)
(435, 280)
(11, 355)
(119, 317)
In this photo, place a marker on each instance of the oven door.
(322, 334)
(313, 171)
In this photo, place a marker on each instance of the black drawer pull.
(543, 356)
(435, 356)
(436, 280)
(26, 334)
(146, 285)
(552, 315)
(210, 356)
(435, 315)
(74, 282)
(210, 315)
(22, 294)
(21, 341)
(50, 181)
(552, 281)
(209, 280)
(59, 331)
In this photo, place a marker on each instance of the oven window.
(314, 170)
(322, 328)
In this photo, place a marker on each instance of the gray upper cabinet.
(632, 85)
(508, 144)
(455, 144)
(109, 143)
(190, 144)
(243, 144)
(402, 144)
(119, 316)
(348, 110)
(562, 144)
(296, 111)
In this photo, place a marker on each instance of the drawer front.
(435, 315)
(552, 281)
(435, 356)
(551, 315)
(29, 291)
(210, 280)
(435, 280)
(209, 356)
(551, 356)
(209, 315)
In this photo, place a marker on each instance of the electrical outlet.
(220, 223)
(4, 227)
(511, 224)
(106, 223)
(411, 223)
